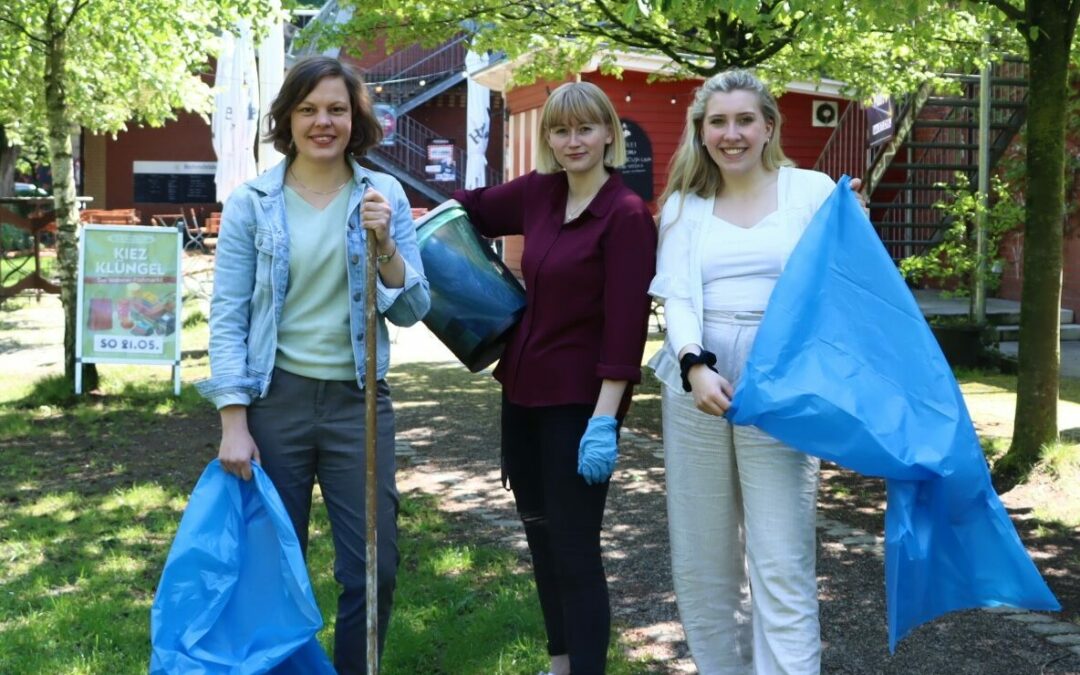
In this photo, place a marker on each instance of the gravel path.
(465, 478)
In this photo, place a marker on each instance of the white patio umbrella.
(271, 74)
(236, 111)
(477, 124)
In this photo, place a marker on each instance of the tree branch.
(75, 9)
(1074, 15)
(772, 47)
(1008, 9)
(643, 39)
(22, 29)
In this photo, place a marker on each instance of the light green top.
(313, 336)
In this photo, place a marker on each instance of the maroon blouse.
(586, 281)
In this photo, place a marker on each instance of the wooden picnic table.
(37, 223)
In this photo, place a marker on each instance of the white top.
(740, 265)
(705, 262)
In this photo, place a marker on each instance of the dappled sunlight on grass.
(114, 564)
(455, 560)
(78, 573)
(13, 425)
(140, 498)
(57, 507)
(1056, 481)
(409, 405)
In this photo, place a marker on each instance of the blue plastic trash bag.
(844, 367)
(234, 595)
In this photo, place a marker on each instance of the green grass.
(91, 493)
(78, 571)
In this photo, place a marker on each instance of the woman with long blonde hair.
(741, 505)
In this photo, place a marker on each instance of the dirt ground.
(448, 447)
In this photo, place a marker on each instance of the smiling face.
(734, 131)
(579, 147)
(321, 124)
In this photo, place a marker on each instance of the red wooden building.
(427, 88)
(653, 116)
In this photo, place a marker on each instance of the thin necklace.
(570, 215)
(318, 192)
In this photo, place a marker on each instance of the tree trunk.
(1040, 321)
(9, 154)
(64, 203)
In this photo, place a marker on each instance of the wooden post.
(371, 427)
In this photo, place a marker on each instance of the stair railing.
(845, 152)
(409, 154)
(331, 14)
(912, 223)
(409, 71)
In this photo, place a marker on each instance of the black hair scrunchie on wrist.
(689, 360)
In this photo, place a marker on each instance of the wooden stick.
(371, 427)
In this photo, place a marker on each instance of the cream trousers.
(741, 512)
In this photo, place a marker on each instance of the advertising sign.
(879, 120)
(128, 297)
(387, 116)
(441, 166)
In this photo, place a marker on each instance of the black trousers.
(562, 516)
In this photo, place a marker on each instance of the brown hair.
(301, 79)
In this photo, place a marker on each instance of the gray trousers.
(307, 429)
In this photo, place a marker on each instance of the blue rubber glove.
(598, 450)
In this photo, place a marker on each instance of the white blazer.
(799, 194)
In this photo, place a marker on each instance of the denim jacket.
(251, 278)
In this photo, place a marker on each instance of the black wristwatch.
(689, 360)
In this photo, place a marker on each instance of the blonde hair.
(692, 170)
(578, 103)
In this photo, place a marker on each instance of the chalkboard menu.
(637, 173)
(174, 183)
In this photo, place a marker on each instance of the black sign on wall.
(637, 173)
(174, 182)
(159, 188)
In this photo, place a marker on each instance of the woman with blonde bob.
(570, 364)
(741, 505)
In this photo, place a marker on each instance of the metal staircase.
(406, 79)
(407, 159)
(935, 137)
(412, 76)
(331, 14)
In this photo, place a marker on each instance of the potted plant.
(952, 266)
